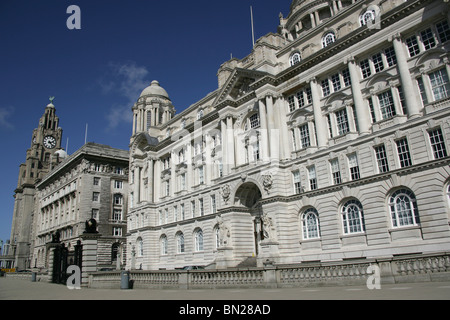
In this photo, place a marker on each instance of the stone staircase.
(249, 262)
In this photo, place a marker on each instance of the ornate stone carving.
(225, 191)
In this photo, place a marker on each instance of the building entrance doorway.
(249, 195)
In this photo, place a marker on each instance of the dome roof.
(154, 89)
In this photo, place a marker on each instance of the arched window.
(310, 224)
(163, 244)
(198, 236)
(114, 251)
(352, 217)
(140, 247)
(403, 207)
(295, 58)
(328, 39)
(180, 242)
(367, 16)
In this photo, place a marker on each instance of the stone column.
(319, 119)
(264, 131)
(362, 110)
(411, 99)
(90, 256)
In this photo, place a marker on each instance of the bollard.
(125, 280)
(33, 277)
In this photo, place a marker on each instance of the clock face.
(49, 142)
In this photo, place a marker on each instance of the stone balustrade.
(403, 269)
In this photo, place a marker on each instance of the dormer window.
(328, 39)
(294, 59)
(199, 114)
(367, 17)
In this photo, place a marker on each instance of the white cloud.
(128, 80)
(5, 113)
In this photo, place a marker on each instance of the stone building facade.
(328, 142)
(90, 183)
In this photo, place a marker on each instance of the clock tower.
(42, 156)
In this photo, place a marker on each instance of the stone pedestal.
(90, 256)
(269, 253)
(225, 258)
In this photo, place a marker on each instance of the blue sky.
(98, 72)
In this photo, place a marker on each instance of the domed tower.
(152, 110)
(308, 14)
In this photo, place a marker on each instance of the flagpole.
(253, 32)
(85, 134)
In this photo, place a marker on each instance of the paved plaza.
(16, 289)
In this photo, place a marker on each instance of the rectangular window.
(372, 111)
(354, 167)
(443, 31)
(402, 100)
(325, 88)
(96, 181)
(335, 171)
(342, 121)
(118, 184)
(193, 208)
(439, 84)
(294, 141)
(304, 136)
(161, 217)
(166, 215)
(167, 187)
(437, 143)
(96, 196)
(312, 178)
(336, 81)
(390, 56)
(365, 68)
(346, 77)
(117, 214)
(377, 62)
(291, 102)
(183, 181)
(387, 107)
(404, 156)
(175, 213)
(256, 151)
(300, 99)
(201, 177)
(423, 94)
(254, 121)
(308, 94)
(117, 231)
(380, 152)
(118, 199)
(413, 46)
(428, 39)
(213, 204)
(201, 208)
(95, 214)
(182, 211)
(297, 182)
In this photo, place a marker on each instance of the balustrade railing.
(392, 270)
